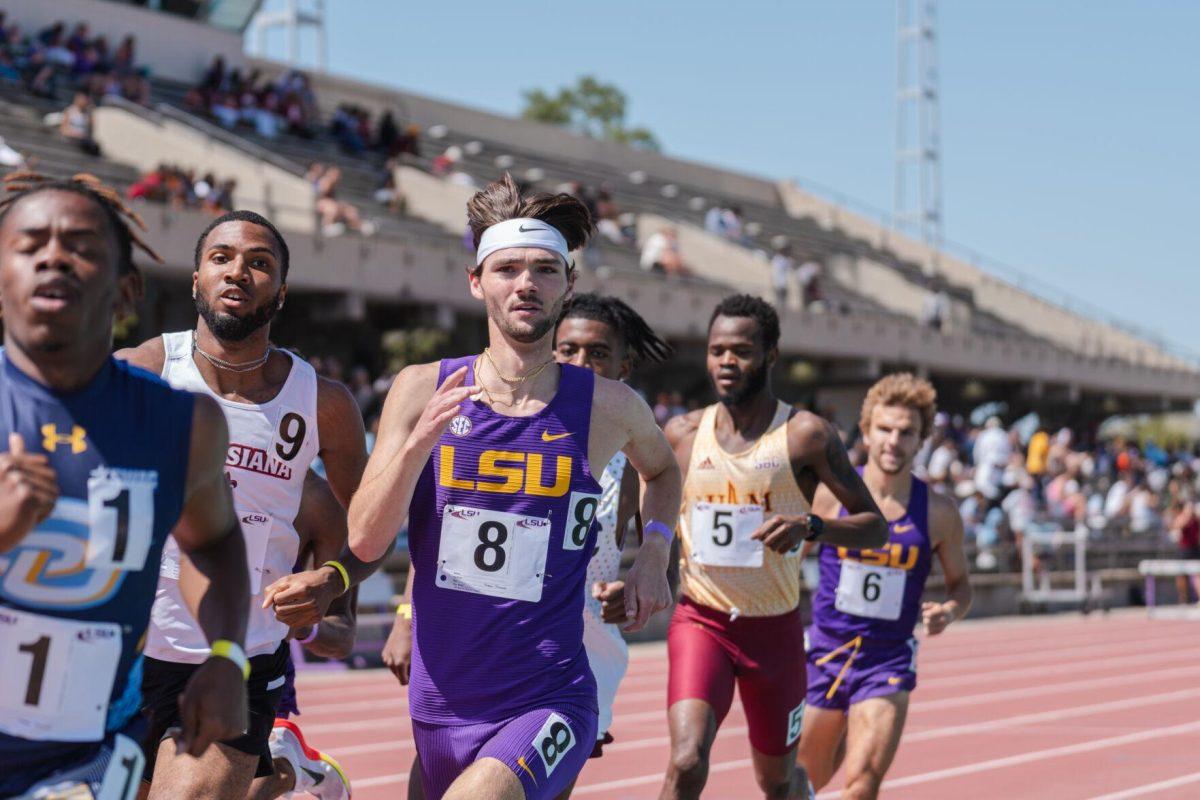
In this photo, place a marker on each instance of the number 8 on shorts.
(554, 741)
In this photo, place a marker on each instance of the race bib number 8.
(580, 514)
(554, 741)
(58, 676)
(493, 553)
(869, 591)
(721, 535)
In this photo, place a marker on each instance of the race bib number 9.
(58, 676)
(493, 553)
(721, 535)
(868, 591)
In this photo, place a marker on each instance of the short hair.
(639, 338)
(124, 222)
(746, 305)
(501, 200)
(902, 389)
(251, 217)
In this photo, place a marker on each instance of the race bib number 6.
(869, 591)
(58, 675)
(721, 535)
(493, 553)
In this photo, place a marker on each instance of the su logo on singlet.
(505, 472)
(896, 555)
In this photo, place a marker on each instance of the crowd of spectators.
(177, 187)
(1009, 481)
(57, 56)
(236, 98)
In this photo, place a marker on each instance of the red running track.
(1053, 708)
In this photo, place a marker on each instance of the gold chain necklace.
(514, 383)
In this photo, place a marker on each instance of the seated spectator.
(387, 133)
(220, 200)
(660, 253)
(782, 268)
(407, 146)
(227, 111)
(76, 124)
(9, 71)
(608, 219)
(808, 275)
(344, 127)
(336, 216)
(935, 311)
(389, 194)
(10, 157)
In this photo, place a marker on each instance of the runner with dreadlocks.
(608, 337)
(103, 461)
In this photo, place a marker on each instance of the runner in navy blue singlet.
(102, 461)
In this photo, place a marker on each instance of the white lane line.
(1031, 756)
(1038, 690)
(1138, 792)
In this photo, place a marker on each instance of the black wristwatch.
(816, 526)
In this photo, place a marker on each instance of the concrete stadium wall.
(431, 270)
(433, 199)
(178, 48)
(535, 137)
(711, 257)
(145, 141)
(991, 294)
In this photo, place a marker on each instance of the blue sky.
(1069, 128)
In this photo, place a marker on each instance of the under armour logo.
(51, 438)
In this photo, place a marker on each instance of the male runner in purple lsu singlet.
(862, 655)
(491, 458)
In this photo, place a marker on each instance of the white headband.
(522, 232)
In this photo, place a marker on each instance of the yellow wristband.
(341, 571)
(404, 610)
(223, 648)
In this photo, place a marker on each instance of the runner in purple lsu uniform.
(862, 654)
(490, 459)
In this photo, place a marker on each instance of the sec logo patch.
(460, 425)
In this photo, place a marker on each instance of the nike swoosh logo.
(547, 436)
(904, 528)
(317, 777)
(523, 229)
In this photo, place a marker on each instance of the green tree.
(590, 107)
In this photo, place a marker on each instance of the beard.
(527, 333)
(231, 328)
(755, 381)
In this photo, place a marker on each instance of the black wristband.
(816, 526)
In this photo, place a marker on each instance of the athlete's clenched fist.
(28, 491)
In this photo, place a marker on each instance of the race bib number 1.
(867, 591)
(120, 518)
(58, 676)
(493, 553)
(721, 535)
(124, 772)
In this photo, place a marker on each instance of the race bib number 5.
(58, 676)
(868, 591)
(721, 535)
(493, 553)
